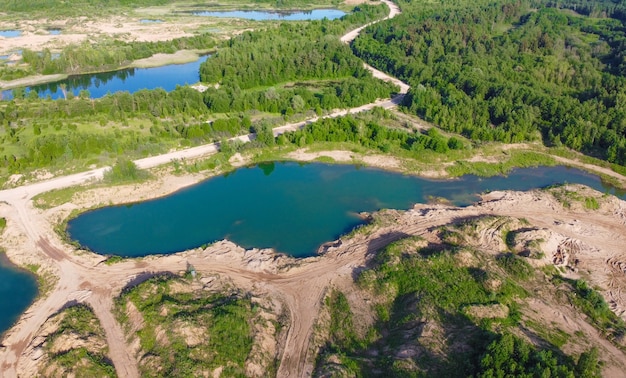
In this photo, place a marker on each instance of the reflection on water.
(291, 207)
(130, 80)
(10, 33)
(18, 289)
(315, 14)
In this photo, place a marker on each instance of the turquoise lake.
(18, 288)
(291, 207)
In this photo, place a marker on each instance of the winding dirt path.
(83, 279)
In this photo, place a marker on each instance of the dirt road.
(82, 277)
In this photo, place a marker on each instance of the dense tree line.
(510, 70)
(595, 8)
(252, 70)
(284, 54)
(115, 107)
(510, 356)
(44, 133)
(371, 135)
(292, 51)
(348, 92)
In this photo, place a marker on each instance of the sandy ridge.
(82, 278)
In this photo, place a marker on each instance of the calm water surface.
(130, 80)
(291, 207)
(17, 291)
(315, 14)
(10, 33)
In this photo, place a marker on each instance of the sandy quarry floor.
(125, 27)
(594, 239)
(35, 35)
(81, 278)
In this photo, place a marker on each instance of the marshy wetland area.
(280, 188)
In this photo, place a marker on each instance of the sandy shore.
(599, 237)
(593, 239)
(31, 80)
(157, 60)
(81, 277)
(77, 30)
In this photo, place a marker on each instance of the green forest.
(507, 71)
(512, 71)
(291, 68)
(67, 133)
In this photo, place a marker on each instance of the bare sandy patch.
(238, 160)
(494, 311)
(120, 27)
(434, 173)
(342, 156)
(156, 60)
(192, 334)
(162, 186)
(357, 2)
(337, 155)
(382, 161)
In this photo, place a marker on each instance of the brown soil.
(299, 284)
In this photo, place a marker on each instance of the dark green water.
(17, 291)
(290, 207)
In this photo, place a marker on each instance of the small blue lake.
(18, 288)
(150, 21)
(10, 33)
(130, 80)
(315, 14)
(54, 31)
(291, 207)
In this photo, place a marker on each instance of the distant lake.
(18, 289)
(291, 207)
(10, 33)
(130, 80)
(315, 14)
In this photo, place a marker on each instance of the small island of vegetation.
(520, 284)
